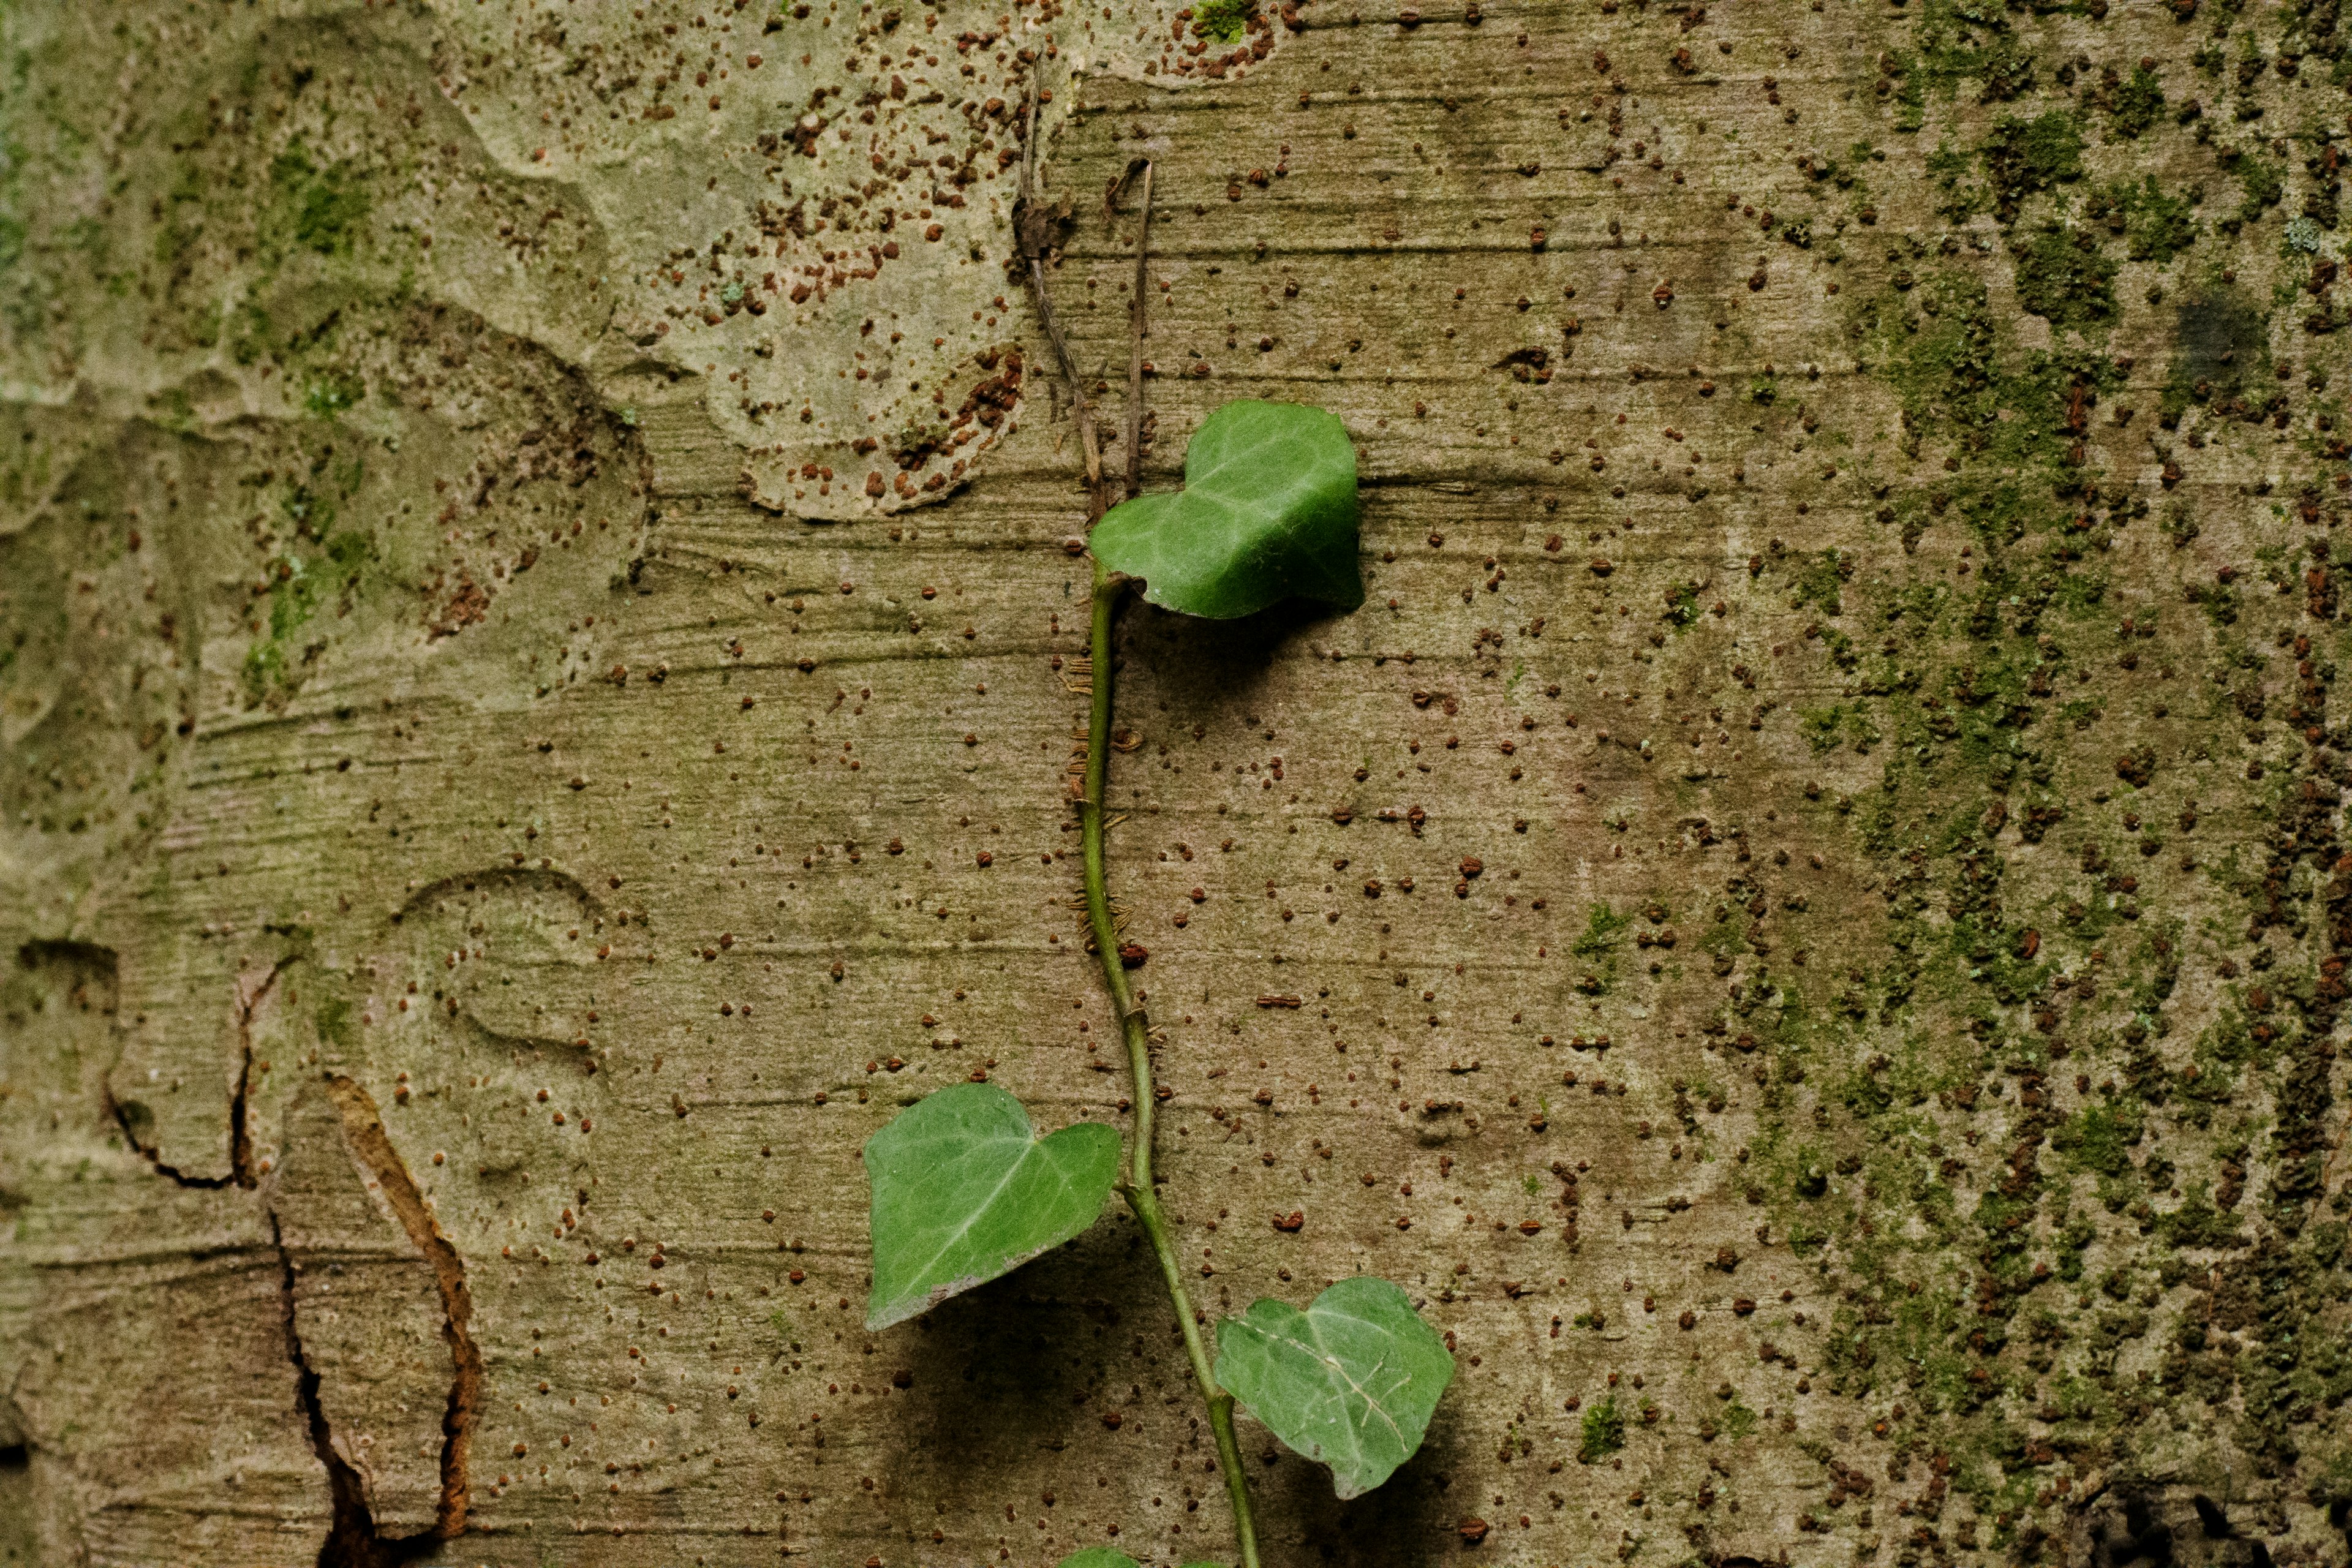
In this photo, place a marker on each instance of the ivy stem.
(1109, 588)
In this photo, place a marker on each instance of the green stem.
(1109, 588)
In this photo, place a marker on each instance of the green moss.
(2263, 182)
(1604, 933)
(332, 394)
(1910, 91)
(2001, 440)
(2099, 1138)
(2007, 1221)
(1224, 20)
(252, 336)
(2198, 1223)
(1839, 724)
(2136, 104)
(1603, 1431)
(2007, 72)
(320, 210)
(301, 579)
(1818, 583)
(2155, 226)
(1958, 197)
(1682, 607)
(263, 669)
(1722, 940)
(2012, 410)
(2064, 276)
(2025, 156)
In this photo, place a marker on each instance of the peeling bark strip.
(363, 1129)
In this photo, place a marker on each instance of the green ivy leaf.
(964, 1191)
(1350, 1381)
(1104, 1557)
(1267, 513)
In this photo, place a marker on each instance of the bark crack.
(241, 1171)
(352, 1541)
(240, 1130)
(363, 1130)
(148, 1151)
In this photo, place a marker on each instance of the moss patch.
(2021, 157)
(2064, 276)
(1603, 1431)
(319, 210)
(2155, 226)
(1224, 20)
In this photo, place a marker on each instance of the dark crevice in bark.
(240, 1131)
(363, 1131)
(121, 1115)
(16, 1438)
(241, 1173)
(351, 1538)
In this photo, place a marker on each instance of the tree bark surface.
(1803, 921)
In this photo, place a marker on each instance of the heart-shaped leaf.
(964, 1191)
(1350, 1381)
(1104, 1557)
(1267, 513)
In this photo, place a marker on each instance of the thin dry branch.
(1032, 225)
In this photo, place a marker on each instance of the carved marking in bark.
(363, 1129)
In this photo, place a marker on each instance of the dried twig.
(1081, 406)
(1117, 186)
(1033, 226)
